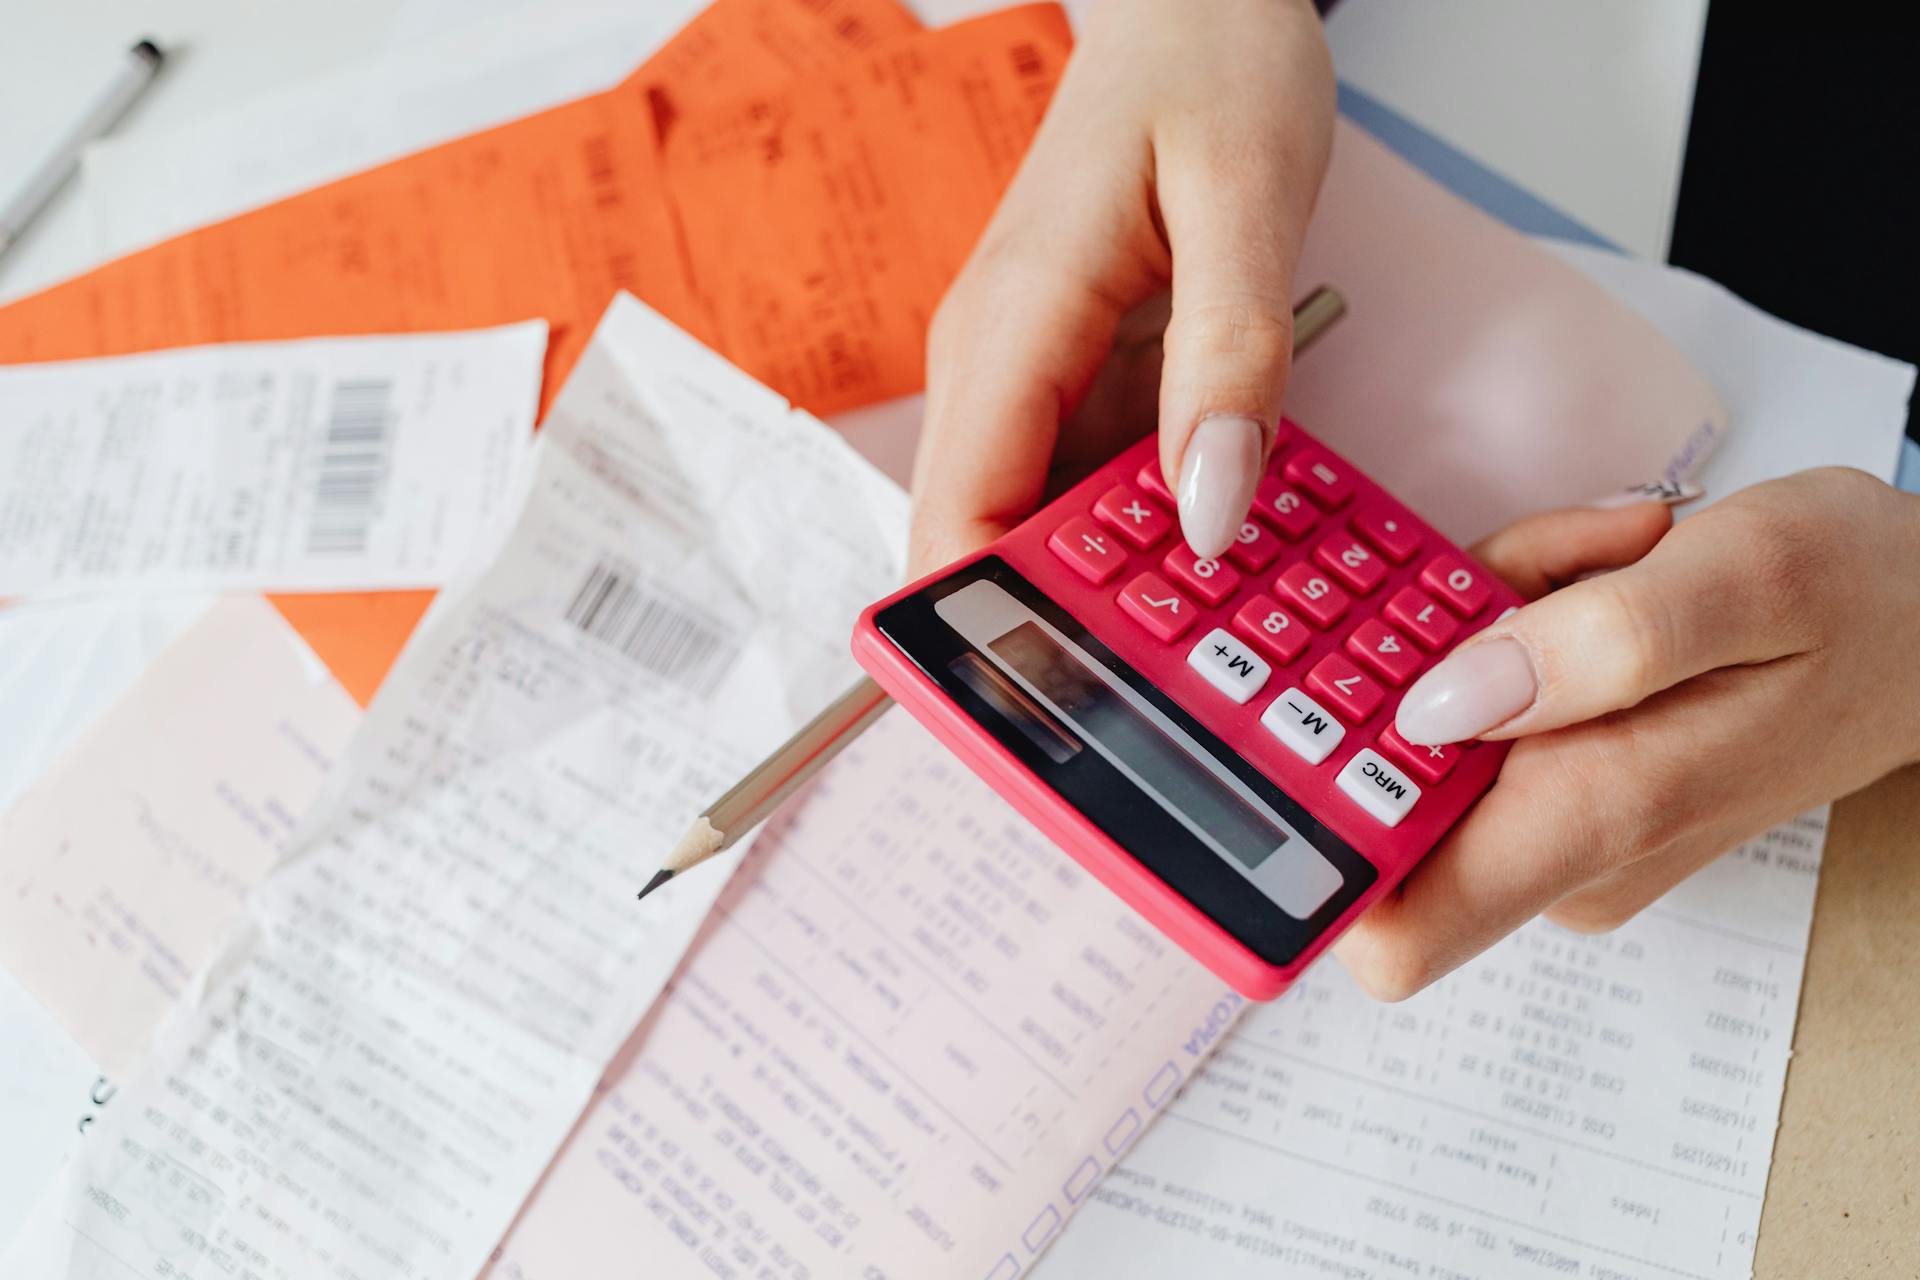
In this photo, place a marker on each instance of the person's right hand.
(1185, 145)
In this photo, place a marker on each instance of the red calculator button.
(1320, 476)
(1276, 502)
(1093, 552)
(1391, 532)
(1461, 585)
(1428, 764)
(1349, 691)
(1212, 580)
(1384, 651)
(1139, 521)
(1255, 547)
(1154, 483)
(1307, 589)
(1420, 616)
(1352, 562)
(1271, 629)
(1155, 605)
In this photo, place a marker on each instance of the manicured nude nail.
(1479, 687)
(1217, 481)
(1672, 492)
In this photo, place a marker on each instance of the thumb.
(1604, 644)
(1235, 218)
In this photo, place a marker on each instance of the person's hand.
(1757, 662)
(1185, 144)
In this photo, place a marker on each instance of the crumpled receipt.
(412, 1013)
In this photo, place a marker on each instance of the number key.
(1212, 580)
(1276, 502)
(1155, 605)
(1308, 590)
(1153, 482)
(1093, 552)
(1462, 586)
(1381, 649)
(1344, 687)
(1271, 629)
(1139, 521)
(1254, 547)
(1420, 616)
(1352, 562)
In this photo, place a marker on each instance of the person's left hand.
(1758, 660)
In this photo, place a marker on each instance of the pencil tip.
(660, 877)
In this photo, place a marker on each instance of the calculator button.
(1139, 520)
(1154, 483)
(1351, 692)
(1255, 547)
(1308, 590)
(1384, 651)
(1420, 616)
(1352, 562)
(1155, 605)
(1271, 629)
(1308, 729)
(1212, 580)
(1377, 786)
(1462, 586)
(1276, 502)
(1320, 476)
(1429, 764)
(1093, 552)
(1229, 665)
(1392, 533)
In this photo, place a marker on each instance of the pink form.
(908, 1042)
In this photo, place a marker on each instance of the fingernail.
(1671, 492)
(1217, 480)
(1481, 686)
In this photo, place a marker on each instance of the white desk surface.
(1584, 104)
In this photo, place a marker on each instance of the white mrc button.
(1309, 729)
(1379, 788)
(1228, 665)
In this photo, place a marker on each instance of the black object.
(1799, 191)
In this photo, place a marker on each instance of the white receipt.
(379, 1068)
(1563, 1105)
(910, 1041)
(326, 464)
(125, 863)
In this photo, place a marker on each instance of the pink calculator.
(1212, 739)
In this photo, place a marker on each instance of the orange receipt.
(824, 219)
(804, 234)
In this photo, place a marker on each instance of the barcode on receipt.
(661, 634)
(352, 472)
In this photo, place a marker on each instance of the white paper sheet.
(911, 1039)
(449, 70)
(1798, 399)
(121, 868)
(48, 1086)
(1564, 1105)
(425, 990)
(319, 465)
(66, 661)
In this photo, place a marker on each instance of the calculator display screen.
(1135, 764)
(1182, 785)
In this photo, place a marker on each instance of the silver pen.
(109, 105)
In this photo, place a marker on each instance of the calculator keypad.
(1313, 619)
